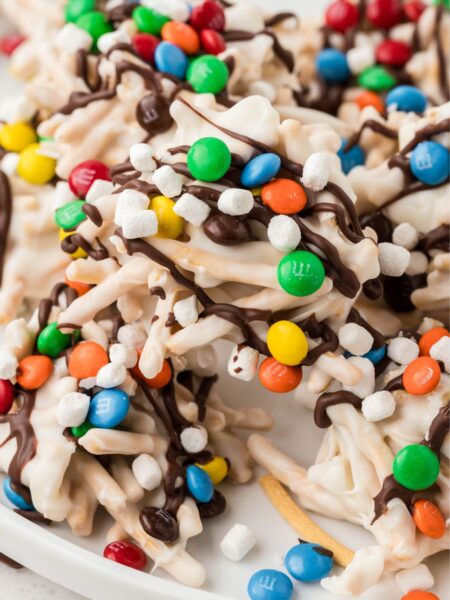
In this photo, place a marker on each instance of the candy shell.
(332, 66)
(207, 74)
(287, 343)
(148, 20)
(393, 53)
(416, 467)
(419, 595)
(15, 137)
(384, 14)
(35, 167)
(33, 371)
(300, 273)
(145, 45)
(269, 584)
(341, 15)
(81, 429)
(212, 42)
(170, 225)
(260, 169)
(108, 408)
(199, 483)
(6, 396)
(14, 497)
(430, 163)
(75, 8)
(277, 377)
(9, 43)
(413, 9)
(352, 158)
(126, 553)
(217, 469)
(84, 174)
(181, 35)
(376, 79)
(86, 359)
(406, 98)
(51, 341)
(284, 196)
(367, 98)
(78, 286)
(160, 380)
(430, 337)
(171, 59)
(421, 376)
(208, 159)
(95, 24)
(208, 15)
(308, 562)
(428, 519)
(70, 215)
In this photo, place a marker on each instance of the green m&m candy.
(51, 341)
(416, 467)
(376, 79)
(300, 273)
(446, 3)
(207, 74)
(76, 8)
(95, 24)
(70, 215)
(148, 20)
(208, 159)
(81, 429)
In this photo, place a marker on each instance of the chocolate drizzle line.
(9, 562)
(317, 329)
(375, 126)
(355, 317)
(5, 218)
(284, 55)
(321, 418)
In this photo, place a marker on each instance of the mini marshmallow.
(356, 339)
(316, 171)
(139, 224)
(402, 350)
(427, 324)
(243, 362)
(88, 383)
(147, 471)
(366, 386)
(405, 235)
(418, 263)
(192, 209)
(237, 542)
(17, 108)
(72, 409)
(111, 39)
(8, 364)
(169, 182)
(123, 355)
(99, 188)
(360, 58)
(262, 88)
(63, 195)
(284, 233)
(71, 38)
(415, 578)
(9, 163)
(235, 201)
(393, 259)
(132, 335)
(177, 10)
(141, 158)
(111, 375)
(194, 439)
(378, 406)
(186, 311)
(129, 201)
(441, 351)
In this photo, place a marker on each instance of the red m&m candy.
(126, 553)
(208, 15)
(421, 376)
(11, 42)
(212, 42)
(414, 9)
(6, 396)
(341, 15)
(84, 174)
(384, 13)
(393, 52)
(145, 45)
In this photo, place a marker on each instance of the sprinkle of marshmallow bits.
(393, 259)
(356, 339)
(441, 351)
(111, 375)
(194, 439)
(72, 409)
(132, 335)
(243, 363)
(316, 171)
(237, 542)
(123, 355)
(186, 311)
(139, 224)
(415, 578)
(405, 235)
(8, 364)
(378, 406)
(99, 188)
(284, 233)
(168, 181)
(147, 472)
(129, 201)
(141, 158)
(192, 209)
(402, 350)
(360, 58)
(235, 202)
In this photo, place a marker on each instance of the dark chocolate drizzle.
(321, 418)
(375, 126)
(5, 218)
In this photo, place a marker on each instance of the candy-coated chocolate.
(207, 74)
(301, 273)
(428, 518)
(212, 42)
(430, 163)
(79, 252)
(352, 158)
(406, 98)
(148, 20)
(126, 553)
(15, 137)
(208, 15)
(199, 484)
(6, 396)
(181, 35)
(208, 159)
(75, 8)
(375, 355)
(270, 584)
(419, 595)
(171, 59)
(284, 196)
(160, 380)
(51, 341)
(413, 9)
(34, 167)
(170, 225)
(84, 174)
(217, 469)
(33, 371)
(95, 24)
(70, 215)
(367, 98)
(287, 343)
(308, 562)
(341, 15)
(145, 45)
(14, 497)
(78, 286)
(81, 429)
(384, 14)
(277, 377)
(86, 359)
(260, 169)
(108, 408)
(393, 52)
(421, 376)
(376, 79)
(416, 467)
(332, 66)
(430, 337)
(10, 42)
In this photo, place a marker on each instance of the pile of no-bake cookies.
(180, 172)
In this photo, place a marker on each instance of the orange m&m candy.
(370, 99)
(78, 286)
(277, 377)
(429, 338)
(86, 360)
(284, 196)
(419, 595)
(421, 376)
(160, 380)
(428, 519)
(182, 35)
(34, 370)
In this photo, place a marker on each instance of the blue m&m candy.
(406, 98)
(352, 158)
(332, 66)
(260, 170)
(108, 408)
(430, 163)
(171, 59)
(376, 355)
(308, 562)
(269, 584)
(199, 483)
(14, 497)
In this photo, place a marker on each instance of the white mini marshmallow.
(111, 375)
(355, 339)
(99, 188)
(367, 384)
(129, 201)
(72, 409)
(360, 58)
(147, 471)
(194, 439)
(88, 383)
(192, 209)
(177, 10)
(71, 38)
(393, 259)
(405, 235)
(441, 351)
(169, 182)
(9, 163)
(418, 263)
(415, 578)
(139, 224)
(262, 88)
(284, 233)
(243, 363)
(123, 355)
(402, 350)
(132, 335)
(378, 406)
(317, 170)
(235, 201)
(63, 195)
(8, 364)
(186, 311)
(427, 324)
(109, 40)
(237, 542)
(141, 158)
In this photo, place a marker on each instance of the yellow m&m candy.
(217, 469)
(35, 167)
(170, 225)
(287, 343)
(79, 253)
(15, 137)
